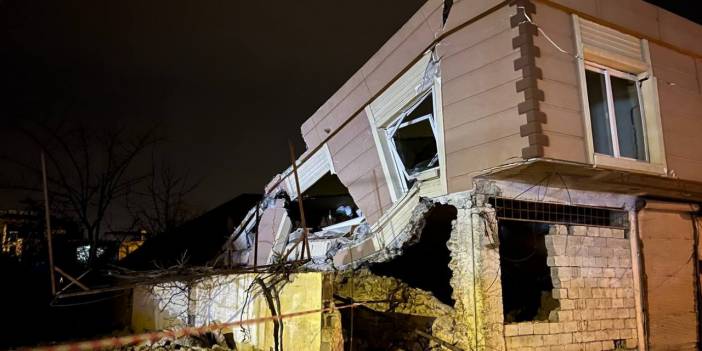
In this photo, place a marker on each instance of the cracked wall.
(424, 263)
(475, 319)
(590, 269)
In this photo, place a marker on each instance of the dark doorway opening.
(526, 278)
(424, 265)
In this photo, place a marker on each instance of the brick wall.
(593, 281)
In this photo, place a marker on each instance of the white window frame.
(648, 90)
(387, 108)
(397, 123)
(611, 114)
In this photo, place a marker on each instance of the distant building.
(22, 231)
(128, 241)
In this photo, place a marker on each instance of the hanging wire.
(570, 199)
(532, 187)
(529, 20)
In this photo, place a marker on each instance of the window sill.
(606, 161)
(428, 174)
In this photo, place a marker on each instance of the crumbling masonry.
(500, 175)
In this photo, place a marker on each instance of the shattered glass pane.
(415, 141)
(599, 117)
(628, 117)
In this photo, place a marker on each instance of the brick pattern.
(531, 74)
(593, 281)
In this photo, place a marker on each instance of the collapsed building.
(500, 175)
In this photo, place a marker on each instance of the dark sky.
(230, 81)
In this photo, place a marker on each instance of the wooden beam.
(73, 280)
(71, 283)
(305, 243)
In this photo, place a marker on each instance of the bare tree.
(88, 169)
(159, 204)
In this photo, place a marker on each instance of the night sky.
(229, 81)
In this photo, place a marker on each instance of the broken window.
(526, 278)
(412, 139)
(407, 128)
(616, 116)
(326, 203)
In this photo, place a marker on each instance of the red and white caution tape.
(175, 333)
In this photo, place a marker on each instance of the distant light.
(83, 253)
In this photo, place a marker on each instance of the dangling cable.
(529, 20)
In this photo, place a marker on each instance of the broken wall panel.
(309, 172)
(424, 263)
(357, 164)
(401, 93)
(404, 47)
(273, 224)
(399, 51)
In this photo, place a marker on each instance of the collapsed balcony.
(337, 231)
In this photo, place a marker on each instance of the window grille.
(546, 212)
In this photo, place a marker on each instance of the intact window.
(616, 116)
(412, 139)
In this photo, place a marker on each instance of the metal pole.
(48, 226)
(258, 207)
(299, 202)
